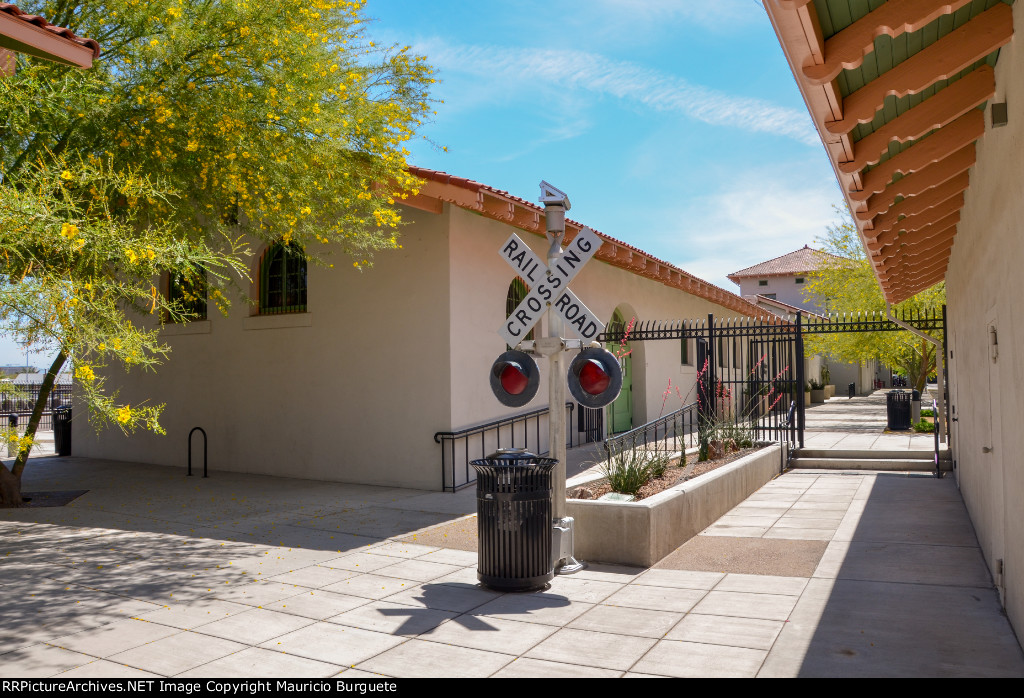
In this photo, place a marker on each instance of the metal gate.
(751, 370)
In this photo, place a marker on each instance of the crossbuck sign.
(549, 287)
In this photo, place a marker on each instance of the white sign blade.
(527, 314)
(577, 253)
(524, 260)
(577, 316)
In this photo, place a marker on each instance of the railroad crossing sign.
(549, 287)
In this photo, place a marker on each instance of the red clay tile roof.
(801, 261)
(617, 253)
(41, 22)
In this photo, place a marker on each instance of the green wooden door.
(620, 412)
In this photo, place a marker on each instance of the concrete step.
(897, 464)
(874, 454)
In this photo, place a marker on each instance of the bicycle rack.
(194, 430)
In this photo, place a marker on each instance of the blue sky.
(674, 125)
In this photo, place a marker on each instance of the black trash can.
(62, 431)
(514, 520)
(852, 389)
(897, 409)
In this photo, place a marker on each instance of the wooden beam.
(928, 231)
(908, 275)
(921, 253)
(919, 182)
(949, 55)
(935, 112)
(847, 49)
(918, 221)
(931, 149)
(917, 204)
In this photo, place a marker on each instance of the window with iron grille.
(283, 279)
(188, 291)
(517, 291)
(762, 282)
(684, 352)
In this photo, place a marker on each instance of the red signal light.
(513, 380)
(593, 378)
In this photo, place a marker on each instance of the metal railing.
(672, 433)
(938, 465)
(508, 432)
(21, 402)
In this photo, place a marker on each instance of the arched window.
(517, 291)
(283, 279)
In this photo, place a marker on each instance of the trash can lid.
(915, 395)
(513, 457)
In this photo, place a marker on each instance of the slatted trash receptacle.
(897, 410)
(62, 430)
(851, 389)
(514, 520)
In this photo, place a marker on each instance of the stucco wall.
(355, 396)
(785, 288)
(984, 289)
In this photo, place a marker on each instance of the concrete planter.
(641, 533)
(807, 398)
(818, 396)
(830, 391)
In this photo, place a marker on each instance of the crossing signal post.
(594, 376)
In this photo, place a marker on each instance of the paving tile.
(696, 660)
(393, 618)
(314, 576)
(467, 575)
(418, 570)
(656, 598)
(254, 626)
(194, 613)
(490, 633)
(258, 593)
(418, 658)
(38, 661)
(623, 620)
(177, 653)
(445, 597)
(800, 533)
(523, 668)
(371, 586)
(117, 637)
(258, 663)
(448, 556)
(361, 562)
(680, 579)
(763, 584)
(334, 644)
(318, 604)
(754, 633)
(534, 608)
(352, 674)
(746, 605)
(400, 549)
(609, 573)
(735, 531)
(103, 669)
(586, 590)
(589, 648)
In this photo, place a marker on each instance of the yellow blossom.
(85, 373)
(66, 175)
(67, 230)
(124, 414)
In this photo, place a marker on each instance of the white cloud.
(589, 73)
(719, 15)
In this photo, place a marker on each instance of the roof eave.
(24, 37)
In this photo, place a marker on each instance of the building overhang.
(34, 36)
(898, 95)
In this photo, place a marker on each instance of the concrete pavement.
(153, 573)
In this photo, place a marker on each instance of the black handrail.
(483, 430)
(682, 422)
(194, 430)
(938, 465)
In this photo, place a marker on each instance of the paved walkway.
(858, 424)
(152, 573)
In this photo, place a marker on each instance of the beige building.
(350, 377)
(921, 110)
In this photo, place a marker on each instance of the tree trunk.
(10, 488)
(10, 482)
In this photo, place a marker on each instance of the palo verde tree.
(203, 125)
(846, 283)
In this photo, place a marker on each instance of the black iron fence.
(673, 433)
(21, 401)
(528, 430)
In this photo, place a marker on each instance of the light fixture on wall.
(999, 114)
